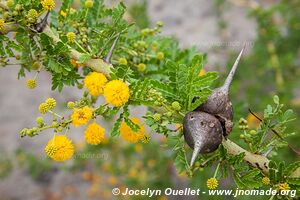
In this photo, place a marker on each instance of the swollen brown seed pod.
(202, 132)
(219, 104)
(205, 127)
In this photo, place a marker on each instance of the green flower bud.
(10, 3)
(157, 117)
(160, 55)
(79, 86)
(176, 106)
(39, 120)
(89, 4)
(253, 132)
(169, 114)
(18, 7)
(160, 24)
(122, 61)
(71, 105)
(141, 67)
(145, 31)
(154, 44)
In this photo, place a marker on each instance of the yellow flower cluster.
(60, 148)
(31, 83)
(63, 13)
(145, 139)
(94, 134)
(212, 183)
(128, 134)
(122, 61)
(10, 3)
(49, 104)
(88, 3)
(70, 104)
(95, 83)
(160, 55)
(283, 186)
(265, 180)
(116, 92)
(2, 22)
(48, 4)
(32, 15)
(71, 37)
(43, 108)
(141, 67)
(81, 116)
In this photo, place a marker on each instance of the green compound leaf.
(291, 168)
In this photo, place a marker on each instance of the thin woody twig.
(276, 133)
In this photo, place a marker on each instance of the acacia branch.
(255, 160)
(259, 161)
(96, 64)
(9, 28)
(99, 65)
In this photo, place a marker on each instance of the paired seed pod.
(205, 127)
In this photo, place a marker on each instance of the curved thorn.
(230, 76)
(108, 56)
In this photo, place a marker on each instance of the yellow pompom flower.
(48, 4)
(10, 3)
(31, 83)
(63, 13)
(116, 92)
(70, 104)
(71, 37)
(94, 134)
(141, 67)
(145, 139)
(88, 3)
(160, 55)
(283, 186)
(122, 61)
(265, 180)
(32, 15)
(43, 108)
(51, 103)
(2, 22)
(60, 148)
(95, 83)
(128, 134)
(212, 183)
(81, 116)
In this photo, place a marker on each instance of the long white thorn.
(230, 76)
(197, 149)
(108, 56)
